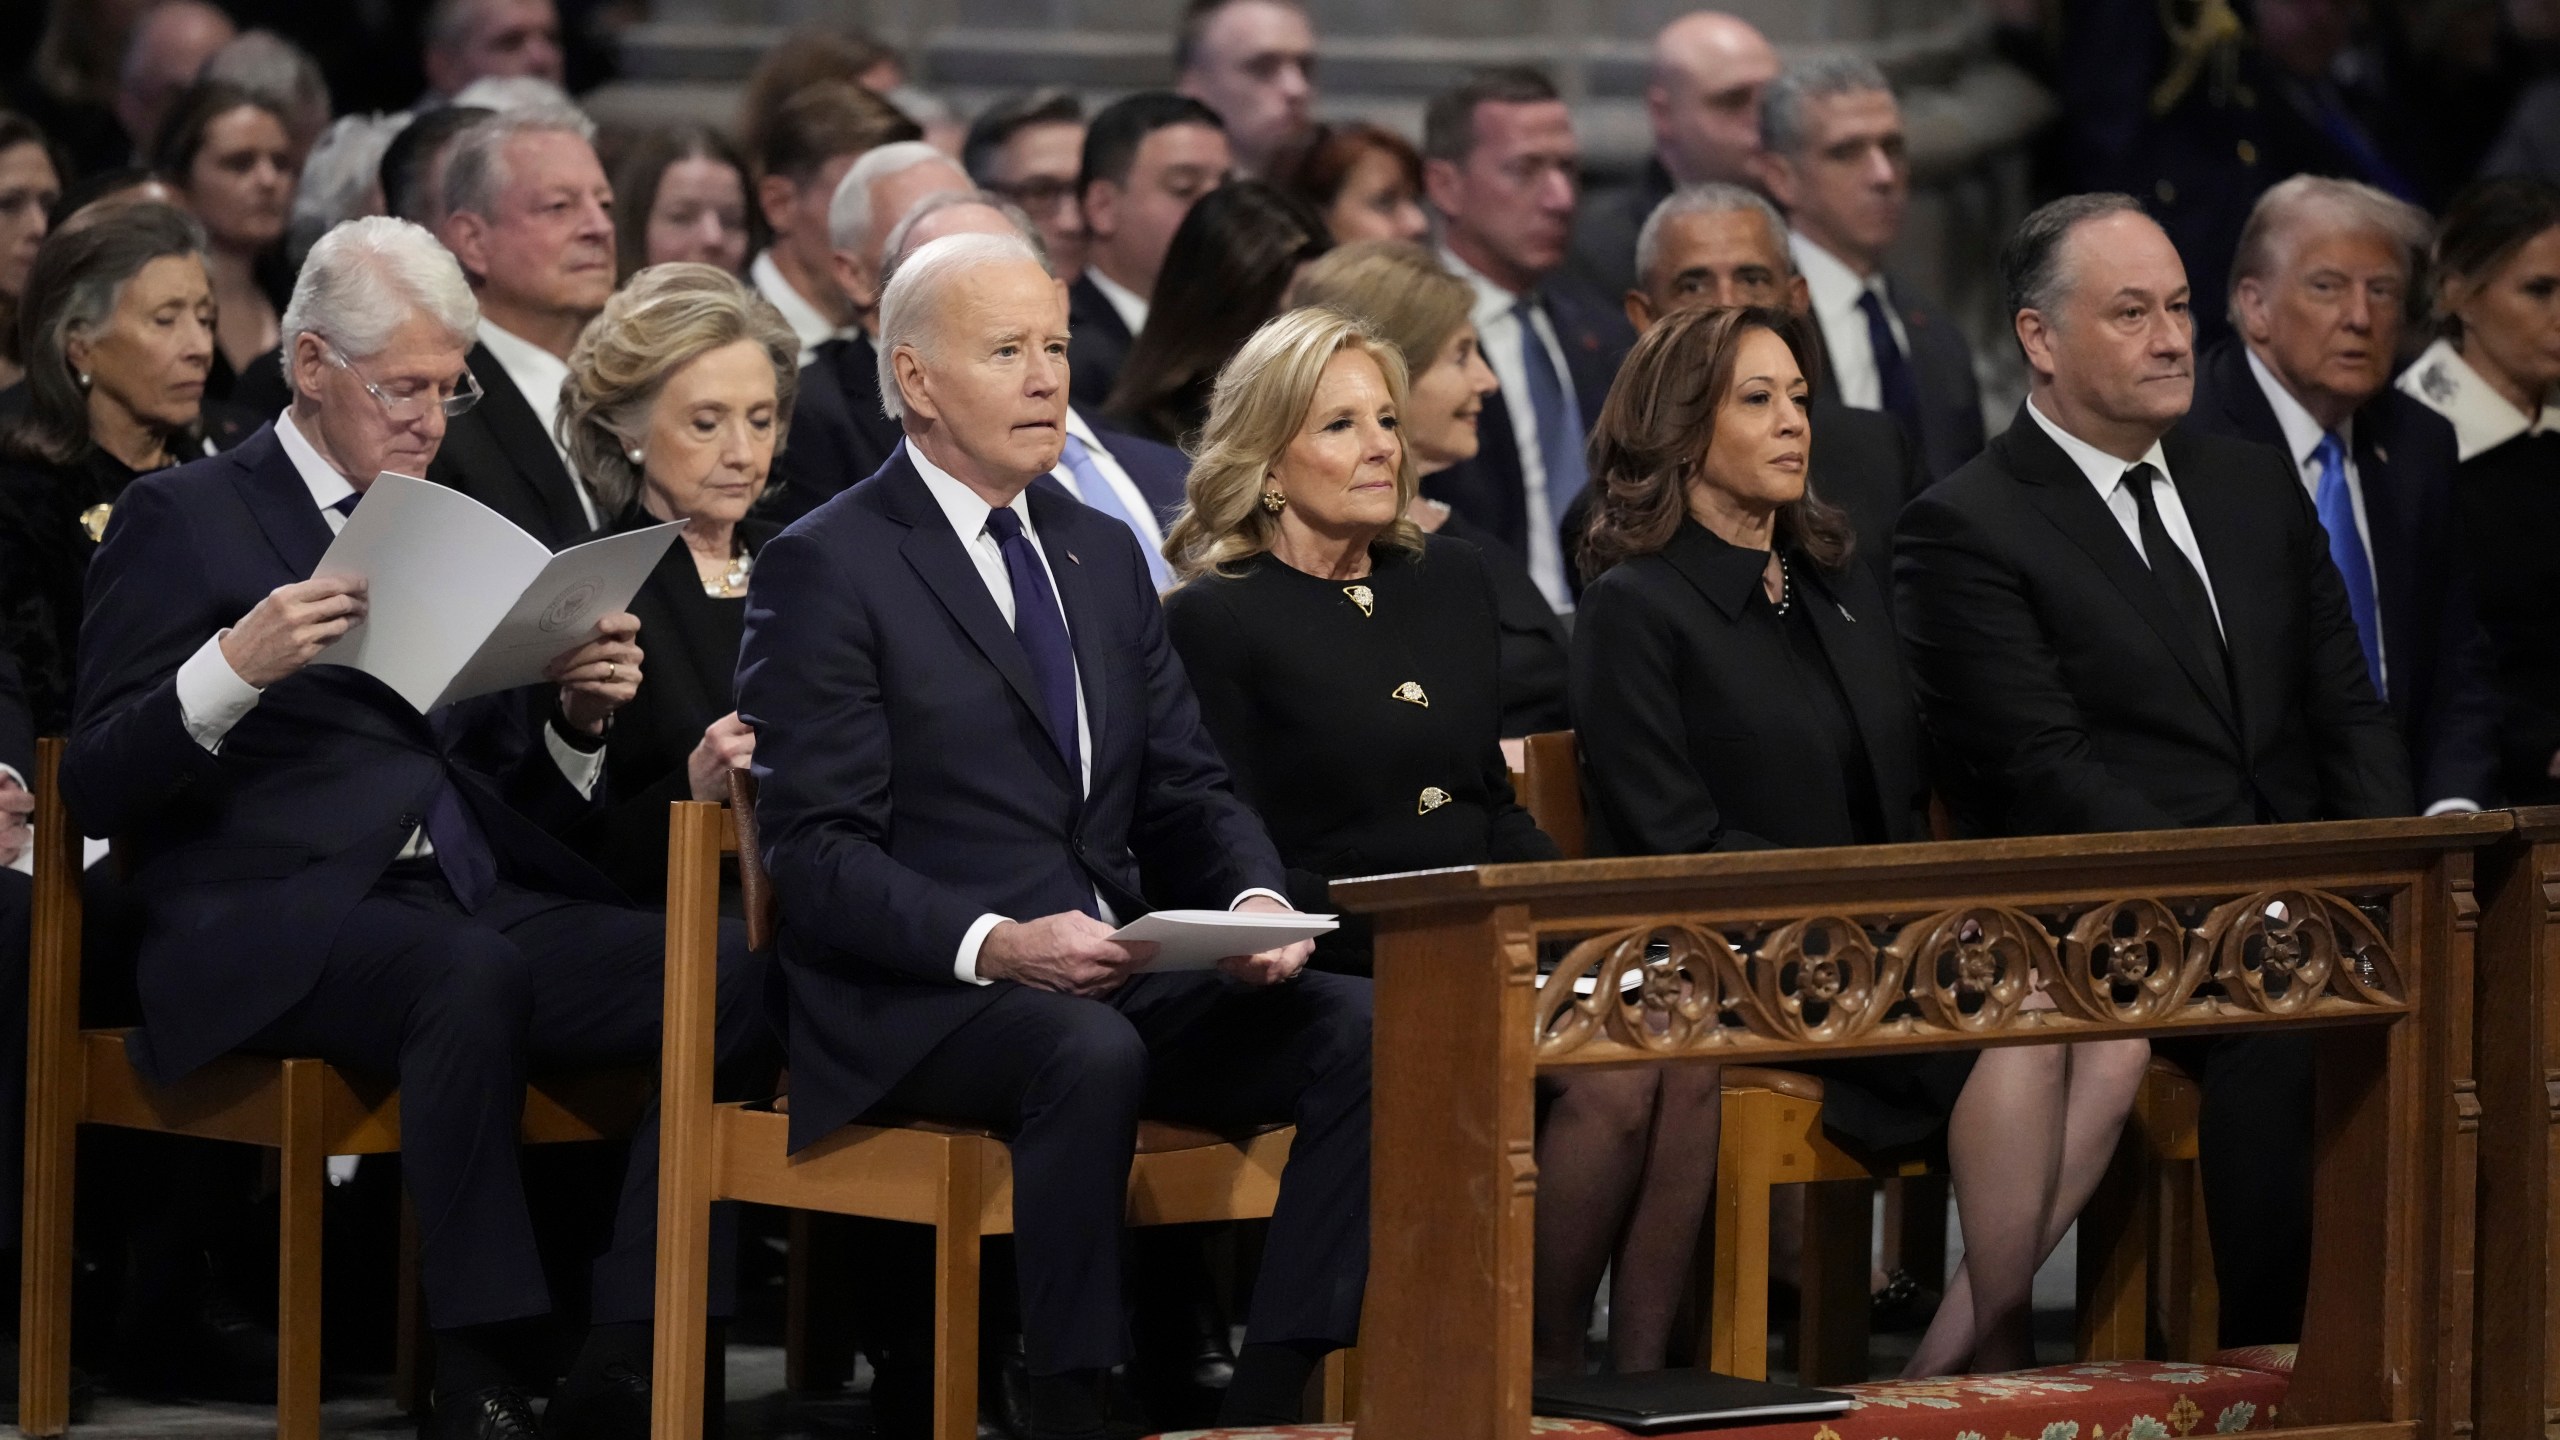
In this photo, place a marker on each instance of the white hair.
(367, 278)
(913, 299)
(341, 170)
(901, 235)
(1713, 197)
(524, 95)
(475, 164)
(849, 212)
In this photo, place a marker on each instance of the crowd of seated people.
(1190, 504)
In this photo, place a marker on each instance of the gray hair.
(937, 202)
(367, 278)
(344, 164)
(475, 164)
(912, 297)
(1782, 106)
(2031, 262)
(510, 94)
(275, 69)
(2281, 213)
(849, 210)
(1713, 197)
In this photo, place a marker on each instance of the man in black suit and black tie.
(1502, 166)
(2116, 624)
(1147, 158)
(324, 871)
(973, 737)
(2317, 297)
(529, 214)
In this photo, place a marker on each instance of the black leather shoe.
(608, 1402)
(499, 1412)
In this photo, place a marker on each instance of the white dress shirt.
(1499, 337)
(1142, 513)
(2106, 475)
(212, 697)
(1848, 352)
(805, 319)
(538, 375)
(2482, 419)
(1131, 306)
(968, 516)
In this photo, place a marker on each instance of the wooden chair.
(957, 1179)
(303, 1109)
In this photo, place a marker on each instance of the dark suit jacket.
(1606, 224)
(839, 433)
(2065, 697)
(246, 861)
(911, 785)
(1487, 490)
(1950, 396)
(1098, 343)
(2442, 691)
(1681, 701)
(17, 727)
(499, 453)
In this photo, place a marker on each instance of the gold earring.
(1273, 500)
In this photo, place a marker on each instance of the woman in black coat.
(1737, 684)
(677, 396)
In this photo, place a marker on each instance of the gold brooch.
(1411, 694)
(1364, 597)
(1433, 797)
(94, 521)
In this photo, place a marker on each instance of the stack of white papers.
(1199, 939)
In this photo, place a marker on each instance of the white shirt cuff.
(211, 695)
(2454, 805)
(1238, 902)
(965, 966)
(581, 768)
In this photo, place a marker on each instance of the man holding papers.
(323, 875)
(973, 738)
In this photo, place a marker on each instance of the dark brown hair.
(1317, 170)
(804, 58)
(2484, 227)
(182, 134)
(638, 171)
(1659, 420)
(825, 120)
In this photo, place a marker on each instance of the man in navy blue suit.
(323, 872)
(974, 739)
(2317, 296)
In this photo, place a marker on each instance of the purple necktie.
(1042, 628)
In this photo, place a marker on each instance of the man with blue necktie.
(2318, 290)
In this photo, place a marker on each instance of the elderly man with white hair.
(325, 871)
(954, 847)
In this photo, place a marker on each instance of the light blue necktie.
(2337, 506)
(1097, 491)
(1559, 428)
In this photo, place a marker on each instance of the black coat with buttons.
(1367, 736)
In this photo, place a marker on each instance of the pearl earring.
(635, 455)
(84, 379)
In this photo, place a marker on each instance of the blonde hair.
(1260, 403)
(666, 318)
(1398, 289)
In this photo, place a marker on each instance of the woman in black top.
(117, 330)
(677, 396)
(2495, 373)
(1737, 685)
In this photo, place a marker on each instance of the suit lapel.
(282, 503)
(516, 427)
(1053, 515)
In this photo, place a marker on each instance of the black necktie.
(2169, 566)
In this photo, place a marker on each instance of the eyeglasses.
(1039, 194)
(413, 406)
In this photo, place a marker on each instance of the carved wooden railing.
(2358, 935)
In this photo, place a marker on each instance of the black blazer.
(689, 665)
(2510, 519)
(499, 453)
(2064, 696)
(2442, 693)
(247, 861)
(1684, 704)
(910, 783)
(1950, 396)
(1534, 638)
(839, 433)
(1299, 687)
(1098, 343)
(1606, 224)
(44, 567)
(1488, 489)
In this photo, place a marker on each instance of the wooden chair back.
(763, 918)
(1551, 790)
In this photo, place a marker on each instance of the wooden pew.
(2359, 935)
(2518, 1006)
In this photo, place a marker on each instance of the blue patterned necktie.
(1559, 427)
(1042, 628)
(1096, 490)
(2337, 506)
(1897, 389)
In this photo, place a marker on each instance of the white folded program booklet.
(460, 602)
(1199, 939)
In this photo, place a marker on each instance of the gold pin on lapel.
(1433, 797)
(1411, 694)
(1364, 597)
(94, 521)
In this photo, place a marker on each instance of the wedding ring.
(611, 672)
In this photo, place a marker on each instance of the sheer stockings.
(1626, 1165)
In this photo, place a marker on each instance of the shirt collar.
(2302, 434)
(536, 372)
(327, 486)
(961, 505)
(1724, 572)
(1493, 302)
(2104, 471)
(1077, 427)
(1834, 286)
(813, 328)
(1131, 305)
(2482, 419)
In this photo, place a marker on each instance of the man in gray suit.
(1834, 158)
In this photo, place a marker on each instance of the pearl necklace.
(733, 581)
(1786, 586)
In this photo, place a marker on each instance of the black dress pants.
(16, 895)
(459, 1008)
(1068, 1078)
(2254, 1143)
